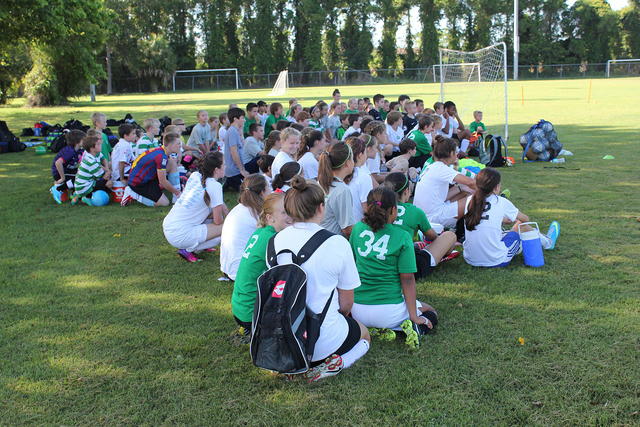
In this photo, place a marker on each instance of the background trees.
(52, 49)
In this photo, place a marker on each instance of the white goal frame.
(282, 82)
(235, 70)
(613, 61)
(502, 45)
(474, 64)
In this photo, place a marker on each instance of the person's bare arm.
(235, 157)
(345, 300)
(218, 214)
(164, 182)
(465, 180)
(408, 282)
(121, 166)
(60, 169)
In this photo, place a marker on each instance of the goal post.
(229, 75)
(477, 80)
(632, 66)
(282, 84)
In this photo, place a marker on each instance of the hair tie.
(278, 190)
(378, 202)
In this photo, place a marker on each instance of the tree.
(390, 12)
(156, 61)
(356, 37)
(592, 30)
(630, 22)
(429, 14)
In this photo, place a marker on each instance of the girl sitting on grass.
(335, 166)
(386, 264)
(195, 221)
(282, 180)
(486, 245)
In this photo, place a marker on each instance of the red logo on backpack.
(278, 289)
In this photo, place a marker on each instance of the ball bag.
(100, 198)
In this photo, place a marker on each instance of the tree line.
(53, 50)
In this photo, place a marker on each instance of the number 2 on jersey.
(252, 243)
(401, 211)
(379, 246)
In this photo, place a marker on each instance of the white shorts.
(187, 238)
(388, 316)
(446, 215)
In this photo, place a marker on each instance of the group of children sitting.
(349, 168)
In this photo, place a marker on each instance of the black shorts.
(245, 325)
(150, 189)
(233, 183)
(353, 338)
(424, 262)
(418, 161)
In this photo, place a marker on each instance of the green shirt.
(271, 120)
(352, 112)
(383, 114)
(422, 144)
(106, 147)
(247, 123)
(380, 258)
(473, 127)
(339, 132)
(252, 265)
(144, 144)
(411, 219)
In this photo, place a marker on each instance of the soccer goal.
(623, 67)
(214, 79)
(477, 81)
(282, 84)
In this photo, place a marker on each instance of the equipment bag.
(284, 330)
(13, 142)
(541, 140)
(493, 147)
(59, 143)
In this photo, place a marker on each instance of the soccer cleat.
(506, 193)
(126, 197)
(331, 366)
(420, 245)
(413, 334)
(188, 256)
(553, 233)
(210, 250)
(57, 195)
(452, 255)
(87, 201)
(387, 334)
(75, 200)
(564, 152)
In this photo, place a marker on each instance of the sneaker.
(412, 332)
(564, 152)
(87, 201)
(506, 193)
(210, 250)
(452, 255)
(57, 195)
(126, 197)
(387, 334)
(553, 234)
(331, 366)
(420, 245)
(188, 256)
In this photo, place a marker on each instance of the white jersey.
(395, 136)
(122, 152)
(432, 189)
(360, 186)
(281, 159)
(238, 227)
(331, 267)
(190, 208)
(483, 247)
(309, 165)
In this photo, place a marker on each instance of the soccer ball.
(538, 133)
(100, 198)
(547, 127)
(545, 156)
(524, 140)
(538, 146)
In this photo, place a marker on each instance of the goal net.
(623, 67)
(282, 84)
(477, 81)
(211, 79)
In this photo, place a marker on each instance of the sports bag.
(13, 142)
(284, 330)
(491, 151)
(59, 143)
(542, 140)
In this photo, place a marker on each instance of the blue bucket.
(531, 245)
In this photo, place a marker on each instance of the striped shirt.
(146, 166)
(144, 144)
(89, 172)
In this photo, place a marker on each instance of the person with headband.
(312, 143)
(281, 181)
(335, 166)
(360, 183)
(384, 256)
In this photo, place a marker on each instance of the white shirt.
(222, 138)
(453, 127)
(483, 247)
(238, 227)
(263, 118)
(374, 164)
(395, 136)
(432, 189)
(190, 208)
(443, 122)
(350, 131)
(331, 266)
(122, 152)
(309, 165)
(360, 186)
(279, 161)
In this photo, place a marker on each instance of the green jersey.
(247, 123)
(473, 127)
(422, 144)
(352, 112)
(411, 219)
(380, 258)
(106, 147)
(383, 114)
(252, 265)
(144, 144)
(89, 171)
(268, 125)
(315, 124)
(340, 132)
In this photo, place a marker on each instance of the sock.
(358, 350)
(135, 196)
(208, 244)
(464, 144)
(69, 184)
(174, 179)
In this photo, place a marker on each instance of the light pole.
(516, 40)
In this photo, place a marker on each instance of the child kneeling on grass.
(486, 245)
(253, 263)
(65, 164)
(92, 175)
(153, 172)
(386, 263)
(195, 221)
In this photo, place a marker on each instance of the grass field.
(101, 323)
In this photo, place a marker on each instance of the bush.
(41, 83)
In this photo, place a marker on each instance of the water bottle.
(531, 245)
(558, 160)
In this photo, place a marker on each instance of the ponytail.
(307, 140)
(486, 181)
(331, 160)
(380, 203)
(287, 171)
(212, 161)
(251, 193)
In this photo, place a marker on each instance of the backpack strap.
(311, 246)
(272, 256)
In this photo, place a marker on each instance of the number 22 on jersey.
(379, 246)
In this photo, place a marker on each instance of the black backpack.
(493, 146)
(14, 144)
(284, 331)
(59, 143)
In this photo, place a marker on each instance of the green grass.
(101, 323)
